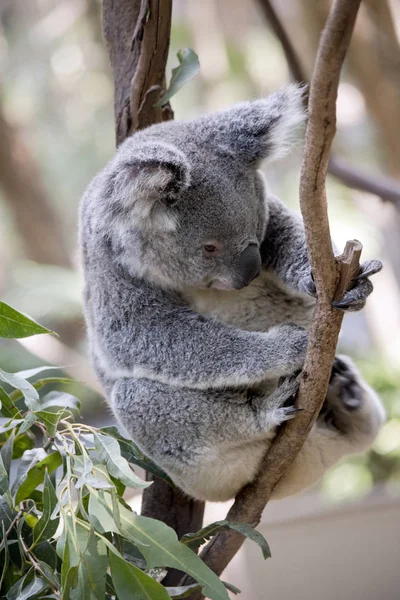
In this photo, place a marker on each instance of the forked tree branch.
(387, 188)
(325, 328)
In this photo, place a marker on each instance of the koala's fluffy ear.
(259, 129)
(146, 177)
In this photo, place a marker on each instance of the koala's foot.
(351, 407)
(279, 407)
(355, 298)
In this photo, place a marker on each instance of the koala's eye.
(211, 249)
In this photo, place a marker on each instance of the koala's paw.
(279, 406)
(351, 408)
(292, 341)
(355, 298)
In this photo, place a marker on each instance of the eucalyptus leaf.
(41, 383)
(29, 420)
(28, 391)
(183, 591)
(59, 399)
(46, 527)
(28, 373)
(87, 554)
(133, 454)
(50, 420)
(31, 471)
(195, 540)
(6, 452)
(4, 483)
(109, 453)
(189, 67)
(14, 324)
(8, 409)
(130, 582)
(158, 543)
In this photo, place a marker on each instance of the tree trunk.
(137, 34)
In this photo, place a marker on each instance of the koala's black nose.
(249, 265)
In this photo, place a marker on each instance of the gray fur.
(190, 357)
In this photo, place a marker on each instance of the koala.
(198, 296)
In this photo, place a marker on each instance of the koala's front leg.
(171, 344)
(348, 423)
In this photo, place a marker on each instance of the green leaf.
(6, 424)
(158, 542)
(30, 419)
(195, 540)
(4, 554)
(87, 554)
(50, 420)
(59, 399)
(46, 526)
(31, 471)
(189, 67)
(7, 406)
(29, 393)
(41, 383)
(109, 453)
(4, 483)
(27, 587)
(183, 591)
(6, 452)
(14, 324)
(130, 582)
(133, 454)
(89, 474)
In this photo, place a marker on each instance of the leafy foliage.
(66, 531)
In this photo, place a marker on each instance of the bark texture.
(137, 34)
(324, 331)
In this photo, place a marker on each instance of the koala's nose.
(249, 264)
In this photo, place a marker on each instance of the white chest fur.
(264, 303)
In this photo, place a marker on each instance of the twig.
(325, 328)
(387, 188)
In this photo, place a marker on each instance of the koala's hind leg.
(348, 423)
(210, 442)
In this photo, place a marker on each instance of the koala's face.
(183, 204)
(210, 236)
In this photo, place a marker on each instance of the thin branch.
(387, 188)
(250, 502)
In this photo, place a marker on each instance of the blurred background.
(57, 131)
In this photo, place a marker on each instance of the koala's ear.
(260, 129)
(147, 176)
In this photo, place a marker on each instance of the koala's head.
(182, 203)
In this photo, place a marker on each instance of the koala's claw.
(344, 397)
(307, 285)
(370, 267)
(292, 410)
(355, 298)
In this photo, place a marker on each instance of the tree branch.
(137, 35)
(325, 328)
(387, 188)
